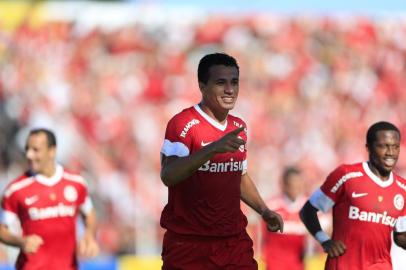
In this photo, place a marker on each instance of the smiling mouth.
(228, 99)
(389, 162)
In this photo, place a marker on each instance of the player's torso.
(364, 218)
(207, 202)
(222, 172)
(41, 206)
(368, 203)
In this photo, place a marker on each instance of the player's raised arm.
(176, 169)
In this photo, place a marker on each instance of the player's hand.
(334, 248)
(229, 142)
(31, 243)
(88, 247)
(274, 221)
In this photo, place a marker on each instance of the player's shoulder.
(19, 183)
(352, 169)
(400, 181)
(237, 121)
(184, 115)
(73, 177)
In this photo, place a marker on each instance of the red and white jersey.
(365, 210)
(285, 251)
(47, 207)
(208, 202)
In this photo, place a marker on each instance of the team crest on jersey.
(398, 201)
(70, 193)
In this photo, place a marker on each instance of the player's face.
(39, 155)
(293, 186)
(221, 90)
(384, 152)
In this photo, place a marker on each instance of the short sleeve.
(9, 210)
(179, 136)
(333, 188)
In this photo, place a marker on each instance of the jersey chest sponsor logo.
(344, 179)
(189, 126)
(382, 218)
(230, 166)
(60, 210)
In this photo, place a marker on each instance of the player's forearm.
(400, 239)
(90, 223)
(10, 239)
(308, 215)
(250, 194)
(177, 169)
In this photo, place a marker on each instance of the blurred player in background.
(368, 204)
(46, 200)
(287, 250)
(204, 165)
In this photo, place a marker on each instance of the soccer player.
(287, 250)
(368, 204)
(204, 165)
(46, 200)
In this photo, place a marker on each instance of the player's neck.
(49, 171)
(382, 175)
(219, 116)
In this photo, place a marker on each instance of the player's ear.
(52, 151)
(202, 87)
(367, 148)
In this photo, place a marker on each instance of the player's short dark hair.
(214, 59)
(378, 126)
(51, 138)
(288, 171)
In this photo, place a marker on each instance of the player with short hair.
(46, 200)
(204, 165)
(287, 250)
(368, 204)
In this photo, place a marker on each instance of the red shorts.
(181, 252)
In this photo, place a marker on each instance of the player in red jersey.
(204, 165)
(287, 250)
(46, 200)
(368, 204)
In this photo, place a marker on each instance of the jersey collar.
(375, 178)
(209, 119)
(50, 181)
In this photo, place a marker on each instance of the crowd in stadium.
(310, 87)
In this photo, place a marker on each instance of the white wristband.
(321, 237)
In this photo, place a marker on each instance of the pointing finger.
(236, 131)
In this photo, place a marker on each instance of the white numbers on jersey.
(189, 126)
(383, 218)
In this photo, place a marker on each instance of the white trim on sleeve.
(244, 167)
(8, 218)
(400, 225)
(86, 206)
(174, 149)
(321, 201)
